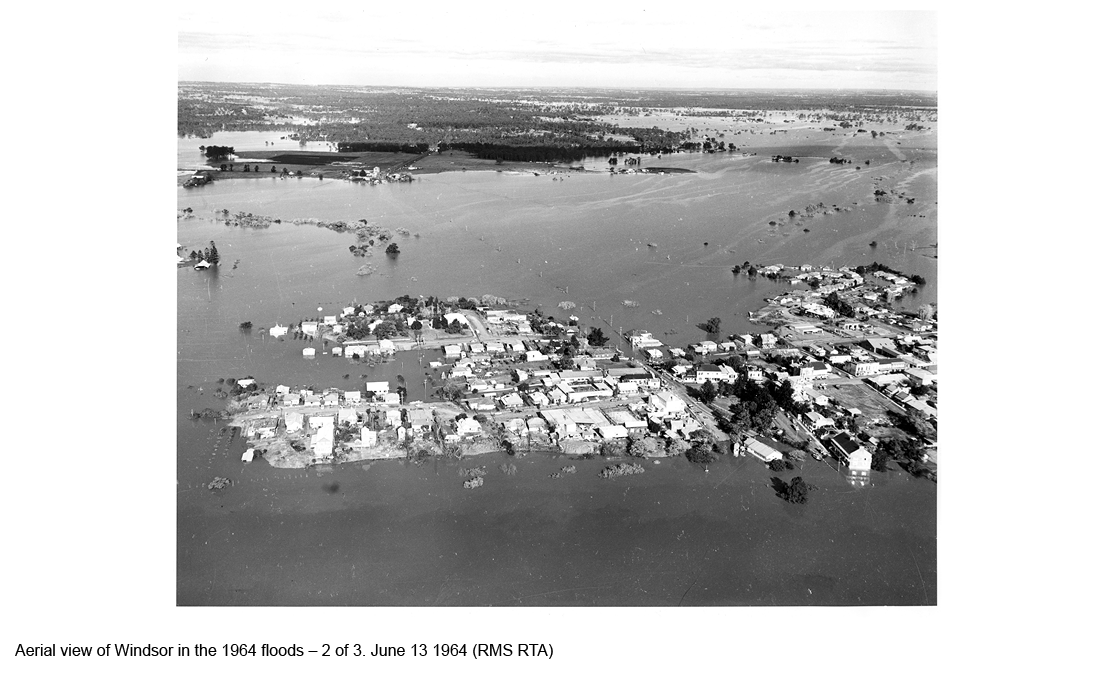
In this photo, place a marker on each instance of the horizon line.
(574, 87)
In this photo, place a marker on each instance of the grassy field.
(860, 397)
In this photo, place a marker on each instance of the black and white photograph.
(574, 317)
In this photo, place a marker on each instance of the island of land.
(831, 371)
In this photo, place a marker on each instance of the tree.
(879, 460)
(393, 249)
(699, 454)
(712, 326)
(211, 255)
(797, 491)
(596, 337)
(707, 393)
(247, 324)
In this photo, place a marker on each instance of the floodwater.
(393, 534)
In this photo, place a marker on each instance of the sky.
(572, 45)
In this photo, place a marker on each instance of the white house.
(816, 421)
(310, 328)
(322, 442)
(612, 431)
(666, 402)
(386, 346)
(760, 450)
(860, 460)
(512, 401)
(278, 330)
(329, 320)
(293, 421)
(308, 353)
(357, 350)
(352, 397)
(367, 436)
(644, 339)
(468, 426)
(394, 308)
(378, 388)
(281, 390)
(457, 318)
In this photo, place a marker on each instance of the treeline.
(548, 153)
(412, 148)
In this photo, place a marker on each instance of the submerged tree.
(712, 326)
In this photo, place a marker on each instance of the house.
(331, 400)
(293, 421)
(378, 388)
(892, 365)
(347, 415)
(708, 372)
(452, 351)
(278, 330)
(391, 398)
(512, 401)
(308, 353)
(609, 432)
(515, 426)
(653, 354)
(329, 320)
(816, 421)
(861, 368)
(202, 265)
(352, 397)
(860, 460)
(666, 402)
(309, 328)
(395, 308)
(420, 417)
(760, 450)
(844, 446)
(386, 346)
(536, 426)
(644, 339)
(336, 351)
(536, 356)
(818, 310)
(322, 442)
(493, 347)
(921, 376)
(356, 351)
(539, 399)
(468, 426)
(281, 390)
(806, 328)
(367, 436)
(291, 400)
(704, 347)
(767, 340)
(683, 427)
(814, 370)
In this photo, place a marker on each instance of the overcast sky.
(700, 45)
